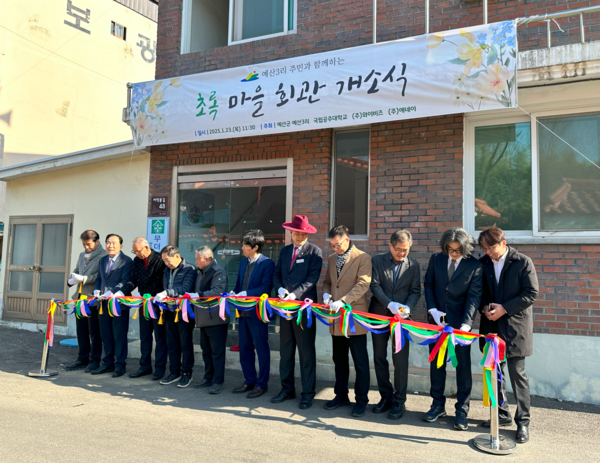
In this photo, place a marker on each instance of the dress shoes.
(243, 388)
(305, 403)
(78, 364)
(359, 410)
(283, 396)
(460, 421)
(383, 406)
(435, 412)
(522, 434)
(256, 392)
(140, 373)
(502, 421)
(118, 373)
(103, 369)
(158, 375)
(202, 384)
(91, 367)
(337, 403)
(397, 412)
(172, 378)
(215, 389)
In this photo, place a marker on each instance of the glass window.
(52, 283)
(117, 30)
(351, 181)
(21, 281)
(503, 189)
(54, 244)
(23, 248)
(258, 18)
(569, 182)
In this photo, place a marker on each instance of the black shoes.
(522, 434)
(243, 388)
(435, 412)
(502, 421)
(256, 392)
(215, 389)
(103, 369)
(283, 396)
(118, 373)
(397, 412)
(185, 381)
(172, 378)
(91, 367)
(383, 406)
(337, 403)
(158, 375)
(140, 373)
(305, 403)
(359, 410)
(202, 384)
(460, 421)
(76, 365)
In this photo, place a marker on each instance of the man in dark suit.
(147, 276)
(113, 274)
(510, 287)
(296, 275)
(396, 288)
(453, 286)
(255, 278)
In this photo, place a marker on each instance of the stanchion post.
(44, 372)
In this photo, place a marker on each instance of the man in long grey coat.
(83, 278)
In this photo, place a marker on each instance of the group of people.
(502, 286)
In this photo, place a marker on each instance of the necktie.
(397, 272)
(294, 257)
(451, 269)
(110, 264)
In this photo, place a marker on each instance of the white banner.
(447, 72)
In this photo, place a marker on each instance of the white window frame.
(525, 236)
(238, 16)
(332, 199)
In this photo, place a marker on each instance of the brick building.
(532, 170)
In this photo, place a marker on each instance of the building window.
(534, 179)
(351, 181)
(216, 23)
(118, 31)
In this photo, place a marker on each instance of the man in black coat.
(296, 275)
(211, 282)
(510, 287)
(147, 276)
(453, 286)
(396, 288)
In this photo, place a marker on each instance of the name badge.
(299, 261)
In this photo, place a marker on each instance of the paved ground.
(75, 417)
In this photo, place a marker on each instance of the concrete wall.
(109, 197)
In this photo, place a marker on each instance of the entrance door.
(39, 250)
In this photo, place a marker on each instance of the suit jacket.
(301, 279)
(118, 277)
(351, 286)
(261, 279)
(147, 279)
(407, 289)
(459, 297)
(516, 290)
(87, 267)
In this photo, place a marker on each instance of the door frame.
(39, 220)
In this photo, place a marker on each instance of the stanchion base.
(42, 373)
(506, 446)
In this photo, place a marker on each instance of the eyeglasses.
(337, 246)
(454, 251)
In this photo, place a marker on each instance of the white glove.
(242, 294)
(96, 293)
(78, 278)
(464, 327)
(394, 307)
(107, 295)
(136, 294)
(404, 311)
(282, 293)
(437, 315)
(119, 294)
(72, 282)
(160, 296)
(290, 297)
(326, 298)
(231, 293)
(193, 295)
(337, 305)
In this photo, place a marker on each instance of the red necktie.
(294, 257)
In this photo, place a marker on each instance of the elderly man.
(510, 287)
(453, 286)
(255, 278)
(147, 276)
(113, 274)
(211, 282)
(346, 283)
(396, 288)
(88, 328)
(178, 279)
(296, 275)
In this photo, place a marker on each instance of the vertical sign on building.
(158, 232)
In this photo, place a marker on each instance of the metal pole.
(581, 28)
(485, 12)
(427, 16)
(548, 34)
(44, 372)
(374, 21)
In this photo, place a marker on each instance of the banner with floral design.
(447, 72)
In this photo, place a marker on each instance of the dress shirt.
(457, 262)
(499, 265)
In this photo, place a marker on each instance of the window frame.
(113, 26)
(366, 128)
(286, 22)
(525, 236)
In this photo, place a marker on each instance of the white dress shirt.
(499, 265)
(455, 265)
(251, 261)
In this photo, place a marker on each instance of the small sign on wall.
(157, 233)
(158, 206)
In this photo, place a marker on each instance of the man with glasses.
(147, 276)
(453, 287)
(346, 283)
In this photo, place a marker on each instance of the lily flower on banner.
(155, 100)
(176, 82)
(144, 124)
(435, 40)
(470, 52)
(492, 81)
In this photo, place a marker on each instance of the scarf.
(341, 260)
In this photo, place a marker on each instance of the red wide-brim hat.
(300, 224)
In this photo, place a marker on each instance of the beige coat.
(351, 286)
